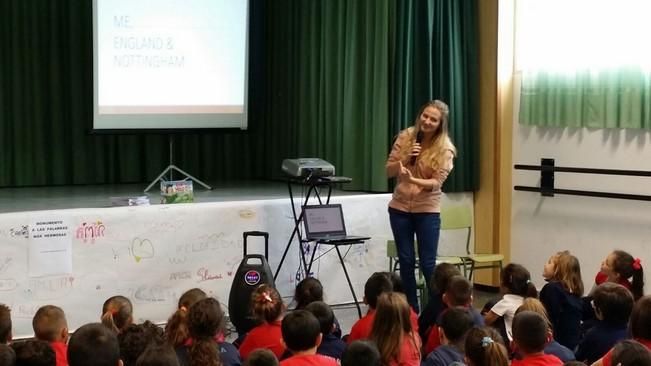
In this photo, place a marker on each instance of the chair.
(460, 218)
(421, 284)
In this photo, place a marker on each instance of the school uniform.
(61, 353)
(598, 340)
(506, 309)
(443, 356)
(266, 335)
(362, 328)
(433, 339)
(227, 353)
(409, 351)
(309, 360)
(565, 312)
(331, 346)
(538, 360)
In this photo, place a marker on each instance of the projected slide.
(170, 63)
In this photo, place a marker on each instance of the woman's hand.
(415, 150)
(405, 174)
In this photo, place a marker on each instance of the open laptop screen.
(323, 220)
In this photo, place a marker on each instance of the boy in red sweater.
(50, 325)
(530, 335)
(302, 336)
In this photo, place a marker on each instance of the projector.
(303, 167)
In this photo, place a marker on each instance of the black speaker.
(252, 272)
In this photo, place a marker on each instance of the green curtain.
(619, 98)
(434, 55)
(335, 79)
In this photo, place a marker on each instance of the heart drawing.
(142, 249)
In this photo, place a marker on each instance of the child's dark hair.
(456, 322)
(484, 347)
(176, 330)
(34, 353)
(261, 357)
(135, 338)
(396, 282)
(517, 280)
(628, 267)
(300, 330)
(441, 276)
(459, 291)
(574, 363)
(158, 354)
(376, 285)
(324, 315)
(205, 320)
(117, 313)
(640, 323)
(614, 302)
(266, 303)
(7, 355)
(530, 331)
(95, 342)
(630, 352)
(48, 323)
(5, 323)
(308, 291)
(361, 353)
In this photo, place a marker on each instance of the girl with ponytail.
(268, 307)
(176, 330)
(205, 321)
(485, 347)
(117, 313)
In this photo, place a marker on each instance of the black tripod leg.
(352, 291)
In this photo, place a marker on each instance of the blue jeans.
(427, 227)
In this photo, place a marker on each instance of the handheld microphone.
(419, 139)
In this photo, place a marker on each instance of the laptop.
(325, 224)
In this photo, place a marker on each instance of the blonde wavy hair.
(435, 153)
(567, 271)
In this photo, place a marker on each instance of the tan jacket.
(410, 197)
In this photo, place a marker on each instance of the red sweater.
(267, 335)
(362, 328)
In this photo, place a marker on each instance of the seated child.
(630, 352)
(261, 357)
(639, 327)
(50, 325)
(516, 284)
(454, 324)
(117, 313)
(268, 307)
(95, 342)
(34, 353)
(301, 336)
(158, 354)
(392, 332)
(7, 355)
(5, 324)
(176, 329)
(205, 320)
(612, 305)
(458, 294)
(553, 347)
(484, 347)
(361, 353)
(377, 284)
(308, 291)
(440, 278)
(331, 345)
(136, 338)
(530, 335)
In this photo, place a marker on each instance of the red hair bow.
(636, 264)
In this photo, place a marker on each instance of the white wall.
(589, 227)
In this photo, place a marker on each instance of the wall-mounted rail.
(547, 169)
